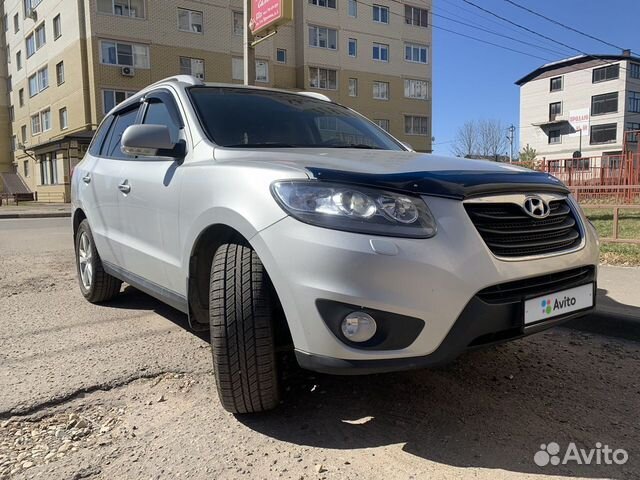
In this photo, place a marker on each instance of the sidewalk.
(35, 210)
(618, 310)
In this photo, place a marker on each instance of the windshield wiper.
(363, 146)
(263, 145)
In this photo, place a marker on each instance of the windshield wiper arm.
(263, 145)
(363, 146)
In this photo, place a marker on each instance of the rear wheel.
(95, 284)
(242, 330)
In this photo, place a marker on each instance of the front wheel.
(95, 284)
(242, 333)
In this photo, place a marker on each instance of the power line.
(584, 34)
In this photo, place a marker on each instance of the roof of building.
(569, 65)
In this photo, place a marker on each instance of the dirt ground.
(125, 391)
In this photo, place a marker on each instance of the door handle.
(87, 178)
(124, 187)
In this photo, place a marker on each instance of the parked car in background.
(284, 221)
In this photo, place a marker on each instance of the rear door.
(150, 204)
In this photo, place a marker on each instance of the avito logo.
(549, 306)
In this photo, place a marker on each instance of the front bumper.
(435, 280)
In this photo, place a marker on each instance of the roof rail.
(189, 79)
(316, 95)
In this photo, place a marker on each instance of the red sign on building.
(268, 14)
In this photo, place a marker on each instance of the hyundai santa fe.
(282, 221)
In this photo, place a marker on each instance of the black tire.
(102, 286)
(242, 333)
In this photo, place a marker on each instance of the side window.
(123, 120)
(101, 134)
(159, 114)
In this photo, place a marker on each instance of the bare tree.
(465, 143)
(481, 139)
(493, 139)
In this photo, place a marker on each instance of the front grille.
(535, 287)
(510, 232)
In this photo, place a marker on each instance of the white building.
(581, 104)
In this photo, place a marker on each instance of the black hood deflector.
(456, 184)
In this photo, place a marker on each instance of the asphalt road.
(125, 390)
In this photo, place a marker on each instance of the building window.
(262, 71)
(192, 66)
(30, 45)
(416, 89)
(124, 54)
(111, 98)
(323, 78)
(14, 143)
(60, 73)
(237, 68)
(123, 8)
(36, 126)
(23, 133)
(610, 72)
(555, 136)
(25, 167)
(416, 53)
(64, 119)
(353, 8)
(36, 40)
(383, 123)
(416, 16)
(380, 14)
(189, 20)
(606, 103)
(48, 169)
(555, 84)
(323, 37)
(12, 113)
(633, 130)
(353, 47)
(381, 90)
(8, 54)
(281, 55)
(416, 125)
(603, 133)
(9, 84)
(353, 87)
(19, 60)
(381, 52)
(21, 97)
(16, 23)
(45, 117)
(634, 102)
(555, 110)
(5, 23)
(634, 70)
(238, 23)
(323, 3)
(578, 163)
(38, 81)
(57, 27)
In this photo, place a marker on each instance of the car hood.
(410, 172)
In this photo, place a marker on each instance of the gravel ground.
(125, 391)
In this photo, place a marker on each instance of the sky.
(472, 80)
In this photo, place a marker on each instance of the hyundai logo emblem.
(536, 207)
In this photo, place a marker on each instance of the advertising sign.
(579, 120)
(269, 14)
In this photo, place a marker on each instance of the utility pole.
(511, 137)
(249, 57)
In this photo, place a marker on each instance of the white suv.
(283, 221)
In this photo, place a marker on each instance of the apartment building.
(70, 61)
(581, 104)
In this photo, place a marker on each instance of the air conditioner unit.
(128, 71)
(200, 76)
(32, 14)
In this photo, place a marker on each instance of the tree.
(465, 143)
(528, 157)
(484, 138)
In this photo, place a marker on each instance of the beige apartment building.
(581, 104)
(70, 61)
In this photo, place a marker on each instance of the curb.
(35, 215)
(609, 323)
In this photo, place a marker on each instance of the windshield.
(245, 118)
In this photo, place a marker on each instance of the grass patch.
(628, 227)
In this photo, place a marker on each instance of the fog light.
(358, 327)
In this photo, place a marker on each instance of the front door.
(150, 203)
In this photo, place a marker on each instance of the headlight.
(355, 209)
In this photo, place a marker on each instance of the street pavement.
(125, 390)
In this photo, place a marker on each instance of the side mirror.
(150, 141)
